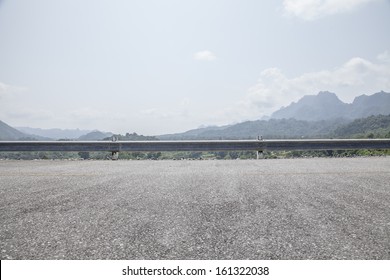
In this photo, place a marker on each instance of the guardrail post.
(259, 154)
(114, 155)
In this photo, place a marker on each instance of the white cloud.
(205, 55)
(314, 9)
(274, 89)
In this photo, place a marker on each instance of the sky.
(164, 66)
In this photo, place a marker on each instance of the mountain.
(367, 105)
(54, 133)
(95, 135)
(326, 105)
(274, 128)
(373, 126)
(313, 116)
(191, 134)
(9, 133)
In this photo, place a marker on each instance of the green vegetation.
(371, 127)
(188, 155)
(39, 155)
(130, 137)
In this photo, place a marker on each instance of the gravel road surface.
(239, 209)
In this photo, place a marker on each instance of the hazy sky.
(162, 66)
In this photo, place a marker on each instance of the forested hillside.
(371, 127)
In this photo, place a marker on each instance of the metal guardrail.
(200, 145)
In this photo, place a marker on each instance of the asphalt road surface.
(252, 209)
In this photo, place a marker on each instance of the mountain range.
(326, 105)
(313, 116)
(54, 133)
(27, 133)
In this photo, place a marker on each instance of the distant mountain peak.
(324, 105)
(327, 94)
(322, 95)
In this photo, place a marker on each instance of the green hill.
(9, 133)
(373, 126)
(95, 135)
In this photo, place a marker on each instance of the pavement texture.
(239, 209)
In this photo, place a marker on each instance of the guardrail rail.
(196, 145)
